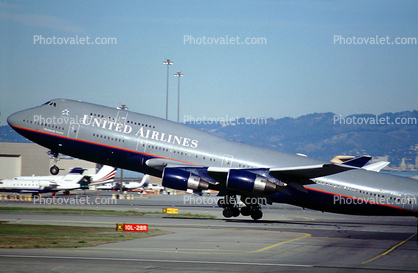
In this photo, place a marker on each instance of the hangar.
(26, 159)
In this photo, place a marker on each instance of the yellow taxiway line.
(281, 243)
(389, 250)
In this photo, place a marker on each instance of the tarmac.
(286, 239)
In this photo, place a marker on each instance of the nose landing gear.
(54, 170)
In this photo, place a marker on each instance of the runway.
(287, 239)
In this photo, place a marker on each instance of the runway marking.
(389, 250)
(281, 243)
(151, 260)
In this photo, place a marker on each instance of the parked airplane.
(106, 174)
(41, 184)
(187, 158)
(132, 185)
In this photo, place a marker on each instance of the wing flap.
(308, 172)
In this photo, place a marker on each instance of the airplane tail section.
(84, 182)
(74, 175)
(105, 175)
(357, 162)
(145, 181)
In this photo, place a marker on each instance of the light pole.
(178, 75)
(167, 62)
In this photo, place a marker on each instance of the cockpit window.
(50, 103)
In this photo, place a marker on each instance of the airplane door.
(73, 130)
(121, 117)
(227, 160)
(141, 145)
(409, 201)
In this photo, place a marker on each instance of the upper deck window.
(50, 103)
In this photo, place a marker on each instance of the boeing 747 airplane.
(186, 158)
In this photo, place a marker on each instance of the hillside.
(318, 136)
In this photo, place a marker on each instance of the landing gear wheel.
(256, 214)
(227, 213)
(235, 212)
(245, 211)
(54, 170)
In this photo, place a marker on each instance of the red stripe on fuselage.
(101, 144)
(358, 199)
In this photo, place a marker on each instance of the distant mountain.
(318, 135)
(324, 135)
(7, 134)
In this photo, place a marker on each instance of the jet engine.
(247, 181)
(182, 180)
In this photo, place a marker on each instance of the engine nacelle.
(182, 180)
(247, 181)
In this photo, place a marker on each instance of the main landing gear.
(54, 170)
(231, 208)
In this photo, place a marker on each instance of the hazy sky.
(297, 67)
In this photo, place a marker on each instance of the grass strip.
(102, 212)
(52, 236)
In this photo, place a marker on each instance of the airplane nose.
(17, 118)
(13, 119)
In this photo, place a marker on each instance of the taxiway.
(287, 239)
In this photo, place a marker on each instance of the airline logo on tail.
(105, 175)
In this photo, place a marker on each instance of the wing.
(183, 176)
(304, 173)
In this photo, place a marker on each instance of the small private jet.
(71, 181)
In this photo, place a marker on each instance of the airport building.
(26, 159)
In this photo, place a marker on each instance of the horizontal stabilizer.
(376, 167)
(77, 170)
